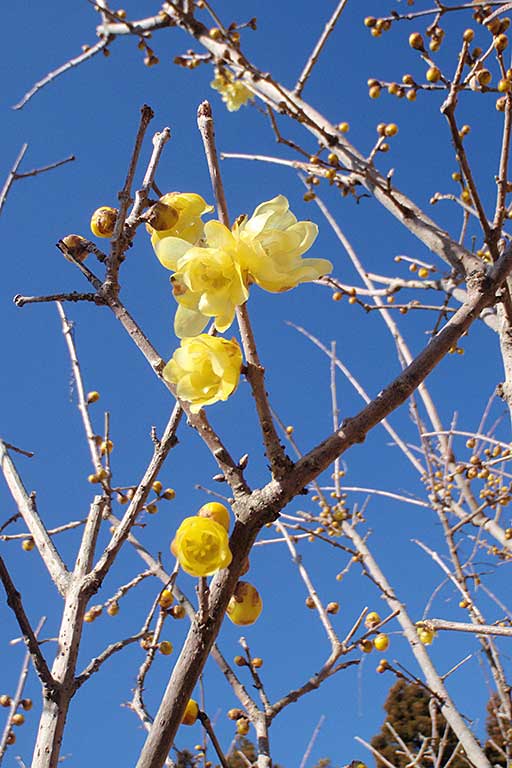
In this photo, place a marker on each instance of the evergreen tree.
(407, 708)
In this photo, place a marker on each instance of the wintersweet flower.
(204, 370)
(176, 225)
(201, 546)
(233, 92)
(208, 283)
(275, 243)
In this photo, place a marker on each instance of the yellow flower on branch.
(175, 224)
(275, 243)
(204, 370)
(208, 283)
(201, 546)
(233, 92)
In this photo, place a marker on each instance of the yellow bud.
(165, 647)
(433, 74)
(28, 545)
(191, 713)
(416, 41)
(113, 608)
(242, 726)
(93, 397)
(381, 642)
(103, 221)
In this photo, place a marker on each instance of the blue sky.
(92, 112)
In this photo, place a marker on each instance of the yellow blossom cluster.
(233, 92)
(213, 267)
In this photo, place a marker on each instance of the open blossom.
(275, 243)
(177, 225)
(204, 370)
(208, 283)
(201, 546)
(233, 92)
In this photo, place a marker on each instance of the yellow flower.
(177, 225)
(208, 283)
(233, 92)
(201, 546)
(204, 370)
(276, 242)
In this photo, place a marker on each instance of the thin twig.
(14, 602)
(88, 54)
(314, 56)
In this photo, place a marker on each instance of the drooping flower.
(233, 92)
(208, 283)
(204, 370)
(276, 242)
(201, 546)
(176, 224)
(245, 605)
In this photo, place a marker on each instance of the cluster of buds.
(18, 718)
(124, 495)
(93, 613)
(377, 26)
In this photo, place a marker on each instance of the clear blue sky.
(93, 112)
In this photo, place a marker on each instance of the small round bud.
(11, 738)
(165, 647)
(433, 74)
(235, 714)
(468, 36)
(240, 661)
(374, 92)
(310, 603)
(370, 21)
(26, 704)
(257, 662)
(75, 245)
(178, 611)
(92, 397)
(215, 33)
(391, 129)
(106, 446)
(500, 43)
(337, 296)
(169, 494)
(217, 512)
(113, 608)
(151, 509)
(162, 216)
(103, 221)
(411, 95)
(366, 646)
(372, 619)
(166, 599)
(191, 712)
(242, 726)
(483, 76)
(157, 486)
(344, 127)
(28, 545)
(423, 272)
(416, 41)
(18, 719)
(5, 700)
(332, 607)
